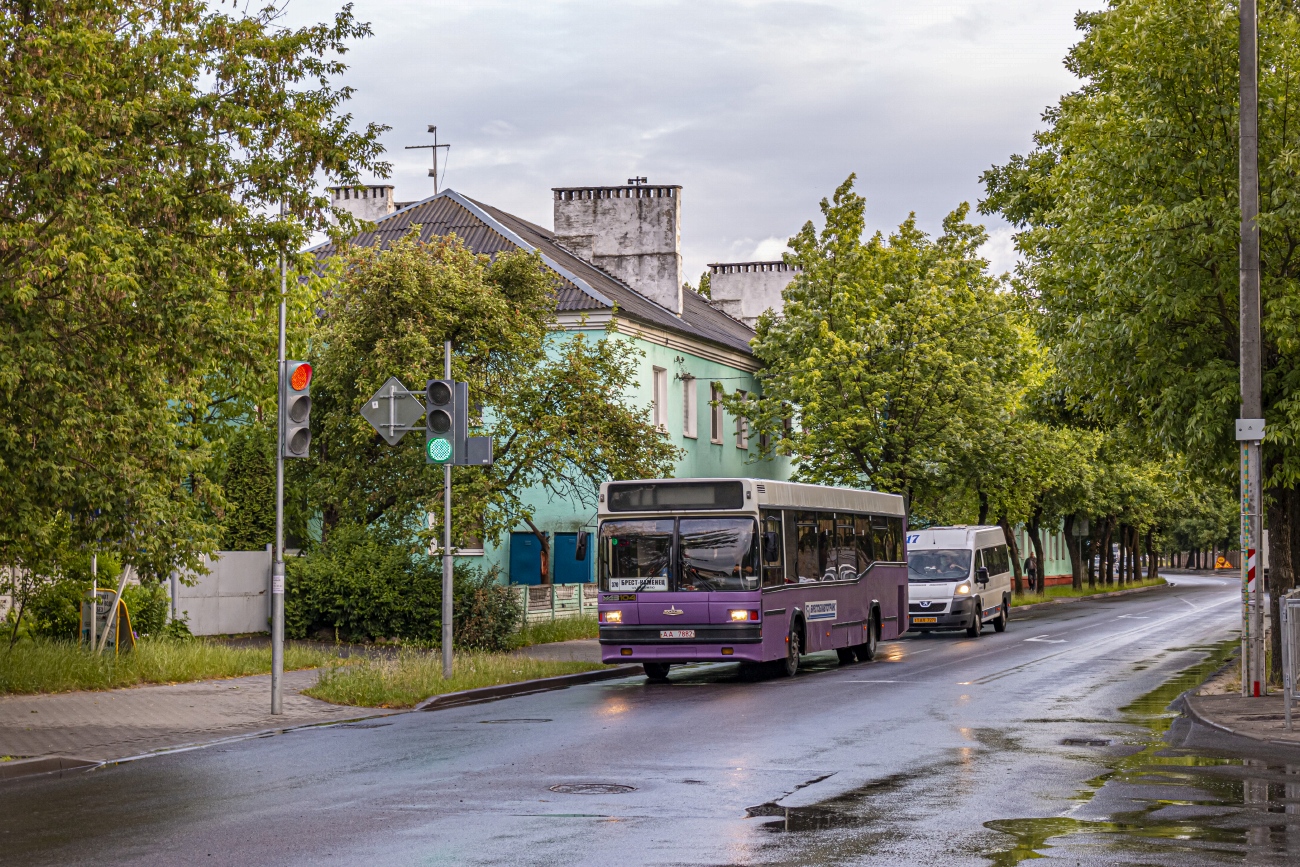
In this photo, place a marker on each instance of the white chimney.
(747, 290)
(372, 202)
(633, 232)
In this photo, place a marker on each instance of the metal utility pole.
(446, 539)
(277, 567)
(1250, 427)
(433, 172)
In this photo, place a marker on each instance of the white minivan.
(958, 578)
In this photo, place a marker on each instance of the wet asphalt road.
(1047, 740)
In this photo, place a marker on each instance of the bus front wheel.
(657, 671)
(790, 665)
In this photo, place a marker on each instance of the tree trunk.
(1153, 559)
(1108, 553)
(984, 508)
(1074, 548)
(1282, 517)
(546, 551)
(1019, 585)
(1090, 556)
(1036, 541)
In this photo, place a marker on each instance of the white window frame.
(715, 415)
(742, 427)
(690, 405)
(660, 387)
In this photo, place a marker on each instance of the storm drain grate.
(364, 725)
(592, 789)
(499, 722)
(1086, 742)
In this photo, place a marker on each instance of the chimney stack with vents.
(746, 290)
(633, 232)
(371, 202)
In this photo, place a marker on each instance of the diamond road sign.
(393, 410)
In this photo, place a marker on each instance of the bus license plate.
(677, 633)
(925, 619)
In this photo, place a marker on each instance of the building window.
(742, 427)
(715, 414)
(661, 398)
(689, 415)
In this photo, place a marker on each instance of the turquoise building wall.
(702, 457)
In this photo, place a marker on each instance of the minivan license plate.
(925, 619)
(677, 633)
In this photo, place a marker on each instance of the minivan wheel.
(1004, 617)
(845, 654)
(789, 666)
(976, 623)
(657, 671)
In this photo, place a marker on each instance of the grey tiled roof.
(583, 286)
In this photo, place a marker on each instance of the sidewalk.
(120, 723)
(1219, 704)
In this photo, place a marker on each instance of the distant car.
(958, 578)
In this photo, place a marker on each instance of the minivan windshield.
(938, 564)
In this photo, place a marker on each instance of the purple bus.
(756, 571)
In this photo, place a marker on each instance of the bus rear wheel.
(657, 671)
(866, 651)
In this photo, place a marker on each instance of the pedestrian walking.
(1031, 571)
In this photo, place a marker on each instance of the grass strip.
(412, 676)
(1065, 591)
(38, 665)
(565, 629)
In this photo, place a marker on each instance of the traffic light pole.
(446, 540)
(277, 567)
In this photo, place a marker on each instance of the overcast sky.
(758, 109)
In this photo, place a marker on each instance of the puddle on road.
(1188, 806)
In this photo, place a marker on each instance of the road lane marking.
(1132, 617)
(1046, 640)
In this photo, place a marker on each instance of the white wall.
(233, 598)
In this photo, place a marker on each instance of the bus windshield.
(718, 554)
(636, 555)
(941, 564)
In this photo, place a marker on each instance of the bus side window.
(808, 563)
(791, 545)
(846, 553)
(896, 536)
(771, 548)
(862, 529)
(880, 537)
(826, 556)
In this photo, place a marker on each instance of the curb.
(1187, 706)
(523, 687)
(44, 765)
(1034, 606)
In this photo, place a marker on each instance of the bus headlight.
(963, 589)
(742, 614)
(611, 617)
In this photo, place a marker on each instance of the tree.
(1128, 217)
(553, 402)
(894, 354)
(248, 483)
(147, 145)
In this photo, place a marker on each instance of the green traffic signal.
(437, 450)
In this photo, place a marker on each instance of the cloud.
(758, 108)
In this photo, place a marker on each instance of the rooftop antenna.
(433, 172)
(635, 182)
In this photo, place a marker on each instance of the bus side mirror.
(580, 549)
(982, 575)
(771, 546)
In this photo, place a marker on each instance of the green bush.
(362, 586)
(248, 523)
(148, 606)
(55, 611)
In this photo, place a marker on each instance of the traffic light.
(440, 421)
(295, 409)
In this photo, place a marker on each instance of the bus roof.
(773, 494)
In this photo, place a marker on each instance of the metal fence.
(1290, 650)
(557, 601)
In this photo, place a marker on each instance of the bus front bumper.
(709, 643)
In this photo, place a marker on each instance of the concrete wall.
(746, 290)
(633, 233)
(233, 598)
(366, 202)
